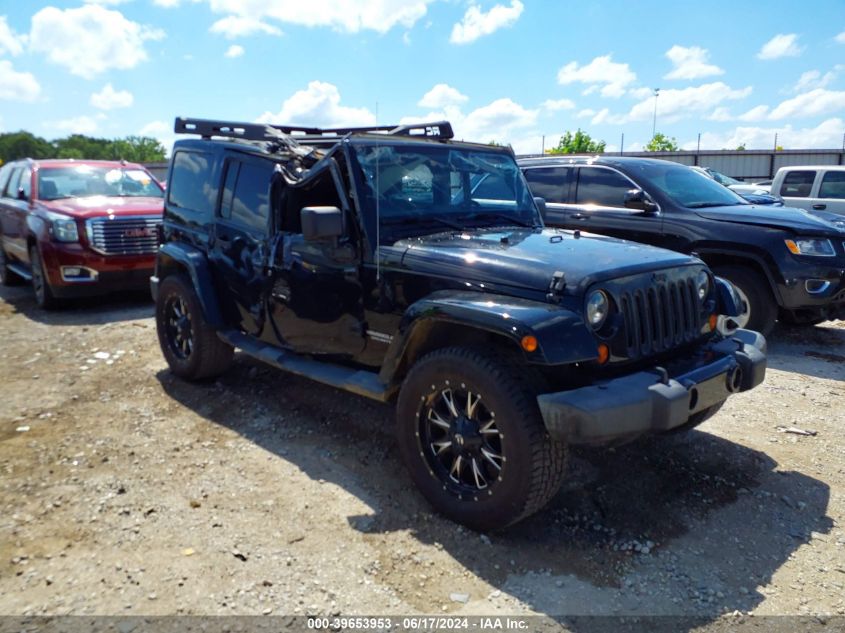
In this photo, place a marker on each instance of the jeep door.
(316, 303)
(239, 242)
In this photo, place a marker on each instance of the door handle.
(820, 207)
(579, 216)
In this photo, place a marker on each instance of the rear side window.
(246, 194)
(833, 185)
(602, 187)
(551, 183)
(5, 172)
(190, 180)
(25, 182)
(797, 184)
(11, 190)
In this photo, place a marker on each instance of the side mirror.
(22, 195)
(638, 199)
(320, 223)
(541, 206)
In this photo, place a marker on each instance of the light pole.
(654, 121)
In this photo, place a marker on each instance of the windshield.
(722, 179)
(445, 186)
(688, 188)
(83, 181)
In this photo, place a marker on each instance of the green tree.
(662, 143)
(578, 143)
(138, 149)
(740, 147)
(15, 145)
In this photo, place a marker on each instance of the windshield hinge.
(556, 286)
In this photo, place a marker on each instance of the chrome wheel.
(178, 327)
(745, 316)
(460, 440)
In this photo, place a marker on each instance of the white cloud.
(233, 26)
(640, 93)
(350, 16)
(690, 63)
(585, 113)
(440, 96)
(90, 40)
(611, 78)
(720, 114)
(825, 135)
(172, 4)
(840, 38)
(17, 86)
(234, 51)
(74, 125)
(106, 2)
(553, 105)
(813, 103)
(476, 23)
(318, 105)
(675, 104)
(781, 45)
(814, 79)
(108, 98)
(162, 132)
(755, 114)
(10, 42)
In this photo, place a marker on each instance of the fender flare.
(562, 336)
(172, 258)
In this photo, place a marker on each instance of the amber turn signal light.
(529, 343)
(604, 353)
(713, 321)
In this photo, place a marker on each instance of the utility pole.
(622, 144)
(543, 146)
(654, 121)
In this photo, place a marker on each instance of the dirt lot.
(126, 491)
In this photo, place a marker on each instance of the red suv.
(78, 227)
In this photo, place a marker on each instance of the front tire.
(754, 289)
(472, 438)
(189, 344)
(40, 282)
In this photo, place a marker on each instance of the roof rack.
(440, 130)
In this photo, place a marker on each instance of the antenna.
(378, 206)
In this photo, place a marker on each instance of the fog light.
(78, 274)
(816, 286)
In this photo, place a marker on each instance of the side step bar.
(20, 271)
(358, 381)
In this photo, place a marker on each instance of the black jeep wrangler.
(402, 266)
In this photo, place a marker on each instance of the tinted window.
(493, 187)
(5, 172)
(251, 198)
(232, 169)
(833, 185)
(551, 183)
(797, 184)
(602, 187)
(25, 182)
(11, 190)
(190, 182)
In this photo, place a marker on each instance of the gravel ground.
(127, 491)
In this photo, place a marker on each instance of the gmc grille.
(124, 236)
(659, 316)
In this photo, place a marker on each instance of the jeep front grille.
(124, 236)
(660, 316)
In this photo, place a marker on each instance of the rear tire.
(459, 406)
(189, 344)
(40, 282)
(762, 309)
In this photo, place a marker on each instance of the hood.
(98, 206)
(528, 258)
(789, 218)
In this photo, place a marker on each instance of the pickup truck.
(813, 188)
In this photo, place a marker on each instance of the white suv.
(814, 188)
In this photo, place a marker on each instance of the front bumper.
(653, 401)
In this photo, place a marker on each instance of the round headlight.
(702, 285)
(597, 308)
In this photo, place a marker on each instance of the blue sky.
(513, 71)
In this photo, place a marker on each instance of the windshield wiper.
(501, 216)
(704, 205)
